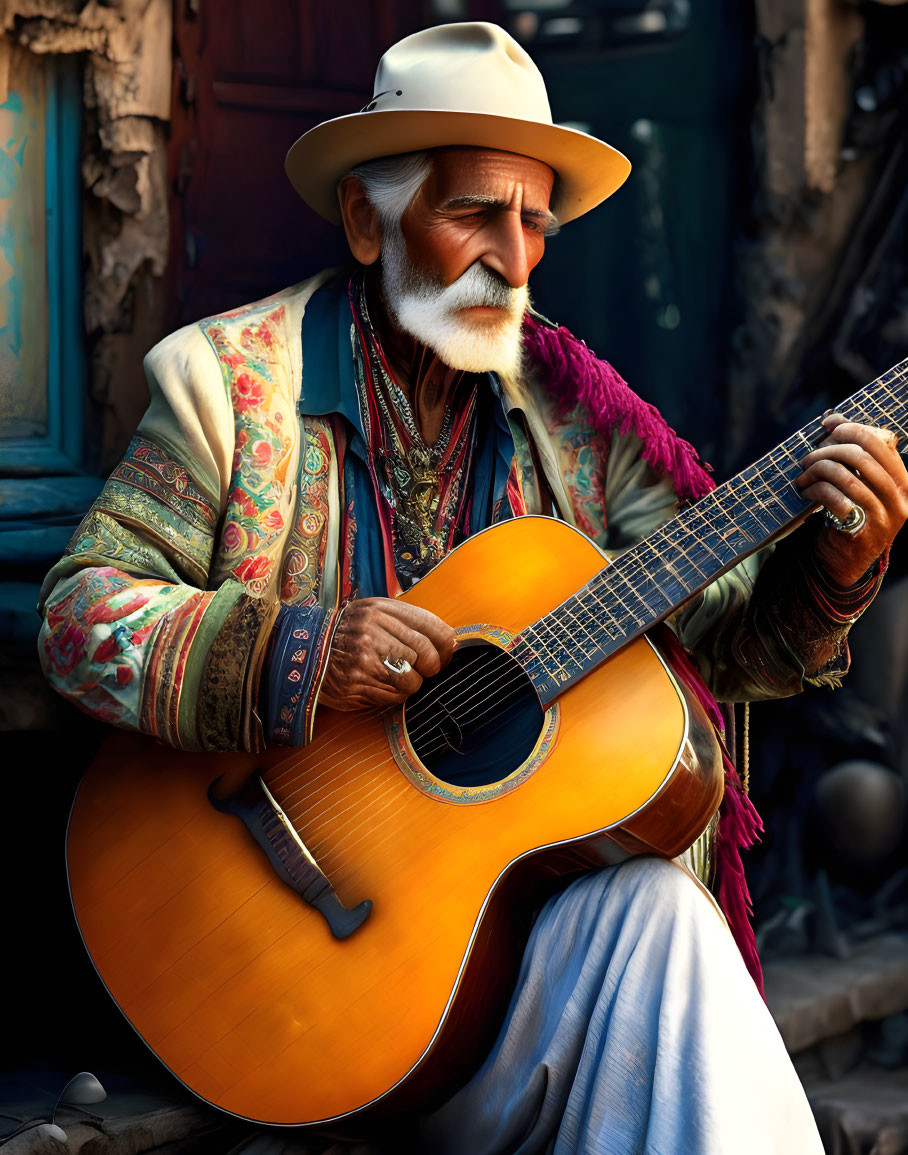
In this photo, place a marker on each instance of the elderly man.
(307, 458)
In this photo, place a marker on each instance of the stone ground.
(845, 1023)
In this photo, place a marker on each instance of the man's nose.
(507, 250)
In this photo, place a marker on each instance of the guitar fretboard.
(653, 579)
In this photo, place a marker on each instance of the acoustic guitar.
(314, 933)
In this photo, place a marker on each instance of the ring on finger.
(401, 666)
(850, 524)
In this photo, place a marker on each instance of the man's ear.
(361, 222)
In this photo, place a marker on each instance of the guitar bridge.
(260, 813)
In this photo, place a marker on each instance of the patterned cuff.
(294, 666)
(225, 709)
(815, 614)
(842, 604)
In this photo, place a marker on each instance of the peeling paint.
(125, 47)
(23, 409)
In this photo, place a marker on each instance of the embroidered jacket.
(211, 568)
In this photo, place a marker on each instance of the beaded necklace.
(421, 489)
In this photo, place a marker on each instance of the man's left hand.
(857, 465)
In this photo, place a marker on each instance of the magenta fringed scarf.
(573, 374)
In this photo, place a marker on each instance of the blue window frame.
(42, 357)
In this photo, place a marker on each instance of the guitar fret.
(886, 416)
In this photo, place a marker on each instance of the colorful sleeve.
(130, 633)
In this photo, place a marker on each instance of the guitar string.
(344, 877)
(896, 423)
(519, 673)
(344, 872)
(517, 684)
(386, 785)
(794, 459)
(611, 575)
(785, 449)
(573, 635)
(279, 770)
(754, 493)
(324, 794)
(337, 847)
(345, 843)
(348, 842)
(378, 746)
(389, 792)
(440, 680)
(348, 791)
(702, 513)
(288, 802)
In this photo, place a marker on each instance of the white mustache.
(478, 288)
(431, 312)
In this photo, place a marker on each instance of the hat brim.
(589, 170)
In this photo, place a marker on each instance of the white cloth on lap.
(634, 1028)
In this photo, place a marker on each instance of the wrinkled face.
(455, 274)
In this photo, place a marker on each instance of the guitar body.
(239, 986)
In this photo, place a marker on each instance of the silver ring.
(401, 667)
(851, 524)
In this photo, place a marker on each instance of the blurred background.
(752, 272)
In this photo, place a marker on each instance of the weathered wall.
(126, 48)
(826, 177)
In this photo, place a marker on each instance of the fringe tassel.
(740, 825)
(573, 373)
(739, 828)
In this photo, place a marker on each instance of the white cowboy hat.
(457, 84)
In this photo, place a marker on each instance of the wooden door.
(250, 76)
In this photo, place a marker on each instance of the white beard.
(431, 312)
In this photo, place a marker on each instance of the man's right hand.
(371, 630)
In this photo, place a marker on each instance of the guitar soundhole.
(478, 720)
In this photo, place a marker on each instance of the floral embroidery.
(256, 376)
(97, 638)
(582, 455)
(152, 488)
(252, 571)
(248, 394)
(305, 557)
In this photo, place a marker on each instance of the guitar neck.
(648, 582)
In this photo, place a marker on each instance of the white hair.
(392, 182)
